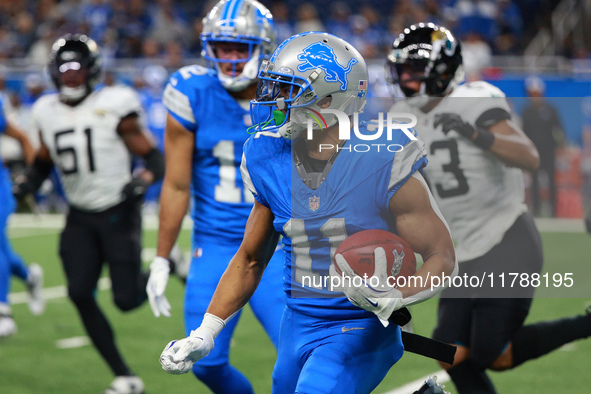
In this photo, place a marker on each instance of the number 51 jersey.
(479, 196)
(93, 161)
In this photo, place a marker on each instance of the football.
(358, 250)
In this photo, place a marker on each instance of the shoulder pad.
(477, 89)
(264, 144)
(193, 77)
(43, 101)
(119, 99)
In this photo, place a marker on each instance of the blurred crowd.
(168, 30)
(159, 36)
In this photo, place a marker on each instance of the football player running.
(206, 127)
(10, 262)
(90, 135)
(475, 159)
(312, 198)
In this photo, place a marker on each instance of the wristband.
(212, 324)
(484, 139)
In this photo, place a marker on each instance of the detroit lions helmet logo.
(319, 55)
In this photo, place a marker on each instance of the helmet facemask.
(74, 57)
(432, 56)
(310, 80)
(242, 23)
(250, 64)
(281, 101)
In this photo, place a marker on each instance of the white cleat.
(7, 324)
(126, 385)
(35, 289)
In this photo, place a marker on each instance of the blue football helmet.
(241, 22)
(308, 73)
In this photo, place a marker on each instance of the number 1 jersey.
(92, 159)
(479, 196)
(197, 100)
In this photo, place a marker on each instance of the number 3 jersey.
(479, 196)
(221, 205)
(92, 159)
(354, 196)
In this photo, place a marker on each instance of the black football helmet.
(75, 52)
(431, 51)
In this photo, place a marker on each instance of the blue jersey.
(221, 205)
(155, 114)
(2, 129)
(353, 197)
(7, 203)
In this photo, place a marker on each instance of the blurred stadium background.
(504, 42)
(143, 41)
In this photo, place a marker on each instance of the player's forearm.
(246, 268)
(28, 151)
(173, 207)
(438, 265)
(515, 151)
(512, 146)
(237, 285)
(23, 140)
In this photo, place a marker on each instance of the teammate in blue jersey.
(208, 117)
(10, 262)
(315, 190)
(154, 77)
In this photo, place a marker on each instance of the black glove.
(21, 189)
(449, 121)
(135, 190)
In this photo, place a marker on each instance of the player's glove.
(383, 299)
(159, 272)
(479, 134)
(21, 188)
(179, 356)
(450, 121)
(431, 387)
(135, 190)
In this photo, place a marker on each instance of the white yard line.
(57, 221)
(71, 343)
(50, 293)
(413, 386)
(150, 222)
(550, 225)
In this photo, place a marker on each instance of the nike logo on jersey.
(347, 329)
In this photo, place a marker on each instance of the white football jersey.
(93, 161)
(479, 196)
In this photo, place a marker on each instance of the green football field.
(37, 361)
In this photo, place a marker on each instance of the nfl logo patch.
(314, 203)
(362, 88)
